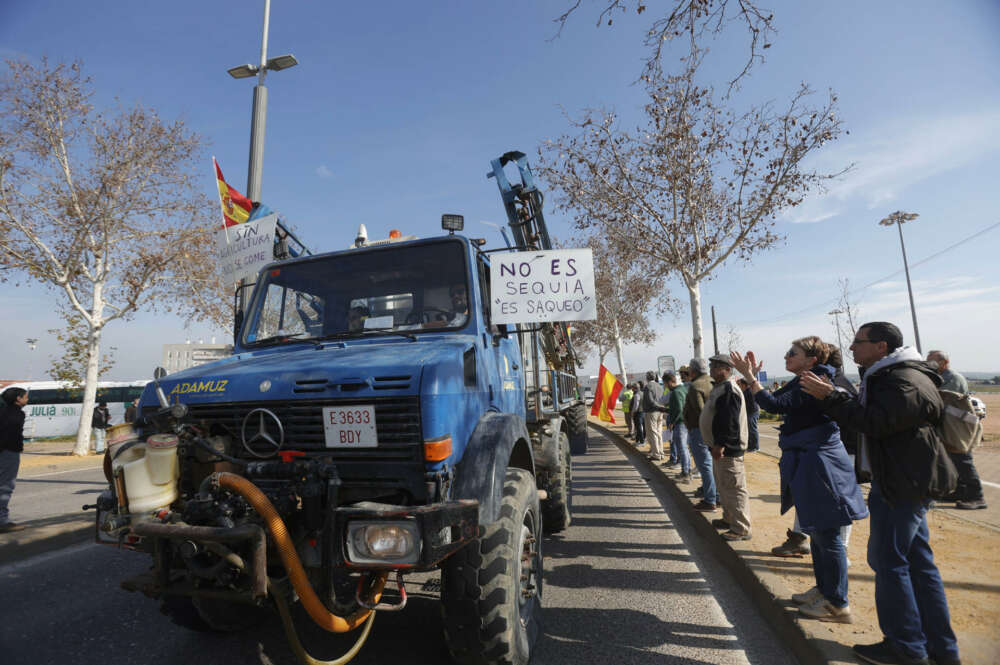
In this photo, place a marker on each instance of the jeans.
(829, 556)
(703, 460)
(753, 435)
(640, 431)
(9, 463)
(909, 595)
(969, 486)
(679, 447)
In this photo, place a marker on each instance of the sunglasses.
(864, 341)
(791, 353)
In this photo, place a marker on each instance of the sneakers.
(705, 507)
(732, 535)
(684, 478)
(795, 545)
(807, 597)
(720, 523)
(699, 492)
(10, 527)
(672, 464)
(824, 610)
(883, 654)
(974, 504)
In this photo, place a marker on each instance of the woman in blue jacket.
(817, 476)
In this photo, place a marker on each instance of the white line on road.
(56, 473)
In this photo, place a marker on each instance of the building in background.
(182, 356)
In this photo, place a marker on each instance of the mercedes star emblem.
(262, 433)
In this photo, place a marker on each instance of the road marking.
(56, 473)
(768, 436)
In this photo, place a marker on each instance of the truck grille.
(397, 423)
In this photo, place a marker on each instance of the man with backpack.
(962, 432)
(897, 412)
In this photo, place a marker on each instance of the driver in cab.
(459, 305)
(356, 318)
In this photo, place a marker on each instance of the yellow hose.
(296, 644)
(296, 574)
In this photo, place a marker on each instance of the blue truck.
(373, 421)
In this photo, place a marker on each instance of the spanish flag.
(236, 208)
(608, 387)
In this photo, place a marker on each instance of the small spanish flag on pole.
(608, 387)
(236, 208)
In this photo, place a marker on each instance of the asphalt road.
(51, 493)
(624, 584)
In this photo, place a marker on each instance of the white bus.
(54, 407)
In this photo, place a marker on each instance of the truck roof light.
(452, 223)
(394, 234)
(362, 236)
(436, 450)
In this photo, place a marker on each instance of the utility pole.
(715, 333)
(32, 345)
(899, 218)
(836, 318)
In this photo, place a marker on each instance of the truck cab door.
(508, 379)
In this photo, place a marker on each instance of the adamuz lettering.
(213, 386)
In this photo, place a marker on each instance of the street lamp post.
(899, 218)
(32, 345)
(258, 120)
(836, 322)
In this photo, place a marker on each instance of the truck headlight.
(382, 542)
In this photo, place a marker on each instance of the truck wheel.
(491, 589)
(556, 514)
(576, 417)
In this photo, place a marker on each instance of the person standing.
(132, 411)
(723, 425)
(896, 411)
(701, 386)
(753, 416)
(653, 411)
(626, 400)
(676, 427)
(637, 420)
(11, 445)
(100, 423)
(969, 493)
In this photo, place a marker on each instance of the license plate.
(350, 427)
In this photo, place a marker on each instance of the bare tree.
(101, 208)
(695, 19)
(625, 300)
(698, 184)
(734, 340)
(71, 367)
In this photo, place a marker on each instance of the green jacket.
(676, 404)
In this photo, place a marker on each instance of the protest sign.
(243, 249)
(545, 286)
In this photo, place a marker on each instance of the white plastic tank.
(150, 472)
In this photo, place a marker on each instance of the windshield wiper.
(274, 338)
(344, 334)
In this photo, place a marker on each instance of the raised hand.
(818, 387)
(742, 364)
(754, 365)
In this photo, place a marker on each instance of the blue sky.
(397, 107)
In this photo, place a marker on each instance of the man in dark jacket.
(99, 423)
(701, 386)
(723, 423)
(897, 411)
(11, 445)
(640, 430)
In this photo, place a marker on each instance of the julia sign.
(245, 248)
(539, 287)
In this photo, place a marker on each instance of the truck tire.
(490, 614)
(576, 416)
(556, 509)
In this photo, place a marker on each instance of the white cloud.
(323, 171)
(889, 159)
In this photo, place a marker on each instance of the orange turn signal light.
(437, 449)
(394, 233)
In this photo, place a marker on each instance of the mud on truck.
(372, 422)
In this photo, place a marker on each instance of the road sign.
(762, 376)
(665, 364)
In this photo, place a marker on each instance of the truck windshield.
(385, 291)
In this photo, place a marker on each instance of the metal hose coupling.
(290, 557)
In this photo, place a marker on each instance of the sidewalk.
(966, 549)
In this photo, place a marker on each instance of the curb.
(45, 535)
(807, 650)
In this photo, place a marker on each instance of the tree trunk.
(694, 292)
(620, 351)
(82, 446)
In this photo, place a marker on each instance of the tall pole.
(898, 218)
(836, 319)
(715, 333)
(258, 121)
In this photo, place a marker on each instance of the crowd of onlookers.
(834, 436)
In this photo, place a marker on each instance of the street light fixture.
(899, 218)
(259, 118)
